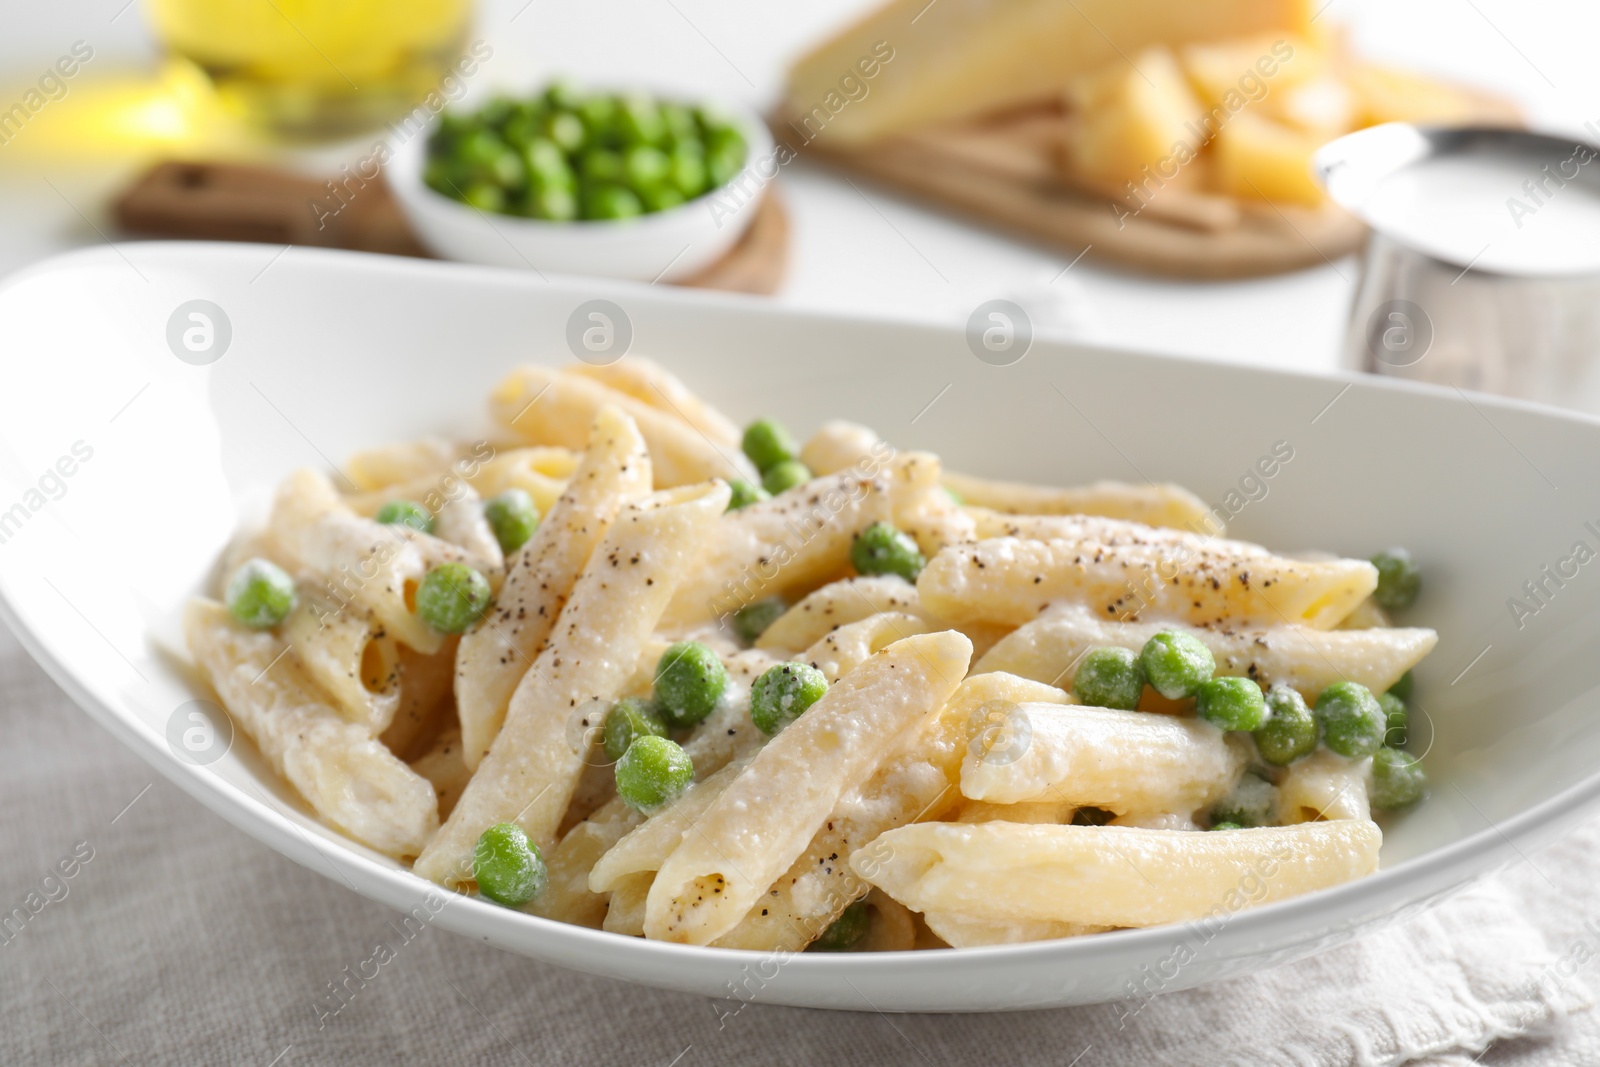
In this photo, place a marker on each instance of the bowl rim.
(1423, 877)
(411, 153)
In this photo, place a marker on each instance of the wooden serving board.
(1004, 170)
(235, 202)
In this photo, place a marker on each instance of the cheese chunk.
(1129, 118)
(912, 63)
(1255, 158)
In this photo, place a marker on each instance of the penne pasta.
(532, 767)
(1050, 812)
(1110, 875)
(837, 604)
(461, 522)
(357, 560)
(567, 897)
(893, 927)
(443, 766)
(764, 820)
(424, 687)
(851, 645)
(1324, 786)
(341, 770)
(650, 383)
(1153, 505)
(917, 781)
(1007, 580)
(1049, 647)
(798, 540)
(838, 445)
(647, 847)
(348, 655)
(495, 655)
(408, 461)
(625, 909)
(1122, 761)
(540, 472)
(543, 407)
(987, 523)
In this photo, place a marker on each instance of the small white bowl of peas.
(570, 181)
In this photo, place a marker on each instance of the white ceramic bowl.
(661, 246)
(333, 351)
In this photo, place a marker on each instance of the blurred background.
(158, 80)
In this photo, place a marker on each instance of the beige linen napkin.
(178, 940)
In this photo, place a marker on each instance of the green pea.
(613, 202)
(722, 166)
(645, 166)
(442, 176)
(882, 549)
(1226, 826)
(1351, 720)
(752, 620)
(406, 513)
(640, 121)
(688, 170)
(785, 476)
(496, 111)
(1231, 703)
(553, 202)
(452, 597)
(1290, 730)
(1397, 720)
(1397, 779)
(507, 866)
(453, 126)
(1398, 580)
(652, 773)
(847, 931)
(783, 693)
(1109, 678)
(602, 165)
(1176, 663)
(690, 679)
(566, 130)
(1403, 687)
(768, 444)
(1253, 801)
(484, 197)
(628, 720)
(599, 115)
(679, 123)
(546, 163)
(260, 594)
(563, 94)
(522, 128)
(513, 518)
(955, 498)
(744, 494)
(660, 198)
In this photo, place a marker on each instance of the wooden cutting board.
(234, 202)
(1004, 170)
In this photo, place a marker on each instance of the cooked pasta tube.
(767, 817)
(1110, 875)
(851, 645)
(375, 565)
(566, 897)
(647, 847)
(347, 653)
(838, 444)
(443, 766)
(916, 781)
(988, 523)
(496, 654)
(801, 539)
(544, 407)
(893, 926)
(541, 472)
(1049, 647)
(1123, 761)
(1153, 505)
(406, 461)
(1052, 812)
(532, 768)
(1012, 581)
(461, 522)
(650, 383)
(1324, 786)
(834, 605)
(341, 770)
(424, 687)
(963, 931)
(625, 909)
